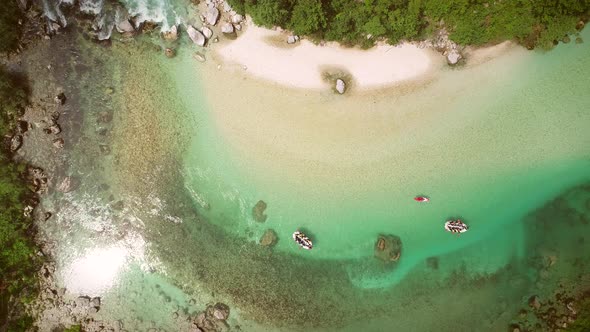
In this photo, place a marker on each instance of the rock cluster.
(56, 307)
(444, 45)
(213, 319)
(550, 315)
(38, 179)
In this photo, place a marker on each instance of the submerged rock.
(258, 211)
(269, 238)
(22, 126)
(58, 143)
(104, 117)
(195, 36)
(60, 98)
(199, 57)
(169, 52)
(68, 184)
(534, 302)
(432, 262)
(221, 311)
(38, 179)
(16, 142)
(388, 248)
(340, 86)
(213, 319)
(53, 129)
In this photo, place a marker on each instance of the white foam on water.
(91, 6)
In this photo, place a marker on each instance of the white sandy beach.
(300, 65)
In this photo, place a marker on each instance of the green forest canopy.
(533, 23)
(18, 259)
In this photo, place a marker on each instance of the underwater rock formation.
(388, 248)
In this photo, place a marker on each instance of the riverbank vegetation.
(533, 23)
(11, 19)
(18, 260)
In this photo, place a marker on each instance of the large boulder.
(258, 211)
(195, 36)
(212, 15)
(388, 248)
(237, 19)
(227, 28)
(171, 34)
(453, 57)
(124, 26)
(207, 32)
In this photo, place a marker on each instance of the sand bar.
(266, 54)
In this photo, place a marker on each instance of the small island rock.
(388, 248)
(258, 211)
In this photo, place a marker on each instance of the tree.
(308, 17)
(269, 13)
(10, 15)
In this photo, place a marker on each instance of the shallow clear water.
(488, 143)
